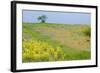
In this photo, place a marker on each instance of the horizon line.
(56, 23)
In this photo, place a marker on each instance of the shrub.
(87, 31)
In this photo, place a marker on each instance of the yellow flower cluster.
(37, 51)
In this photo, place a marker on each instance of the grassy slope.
(69, 37)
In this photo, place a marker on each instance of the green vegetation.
(54, 42)
(87, 31)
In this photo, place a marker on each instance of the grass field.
(55, 42)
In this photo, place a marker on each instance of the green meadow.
(43, 42)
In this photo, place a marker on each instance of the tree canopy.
(42, 18)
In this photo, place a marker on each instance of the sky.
(30, 16)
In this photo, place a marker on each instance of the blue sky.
(31, 16)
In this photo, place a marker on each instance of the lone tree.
(42, 18)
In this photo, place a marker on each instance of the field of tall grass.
(43, 42)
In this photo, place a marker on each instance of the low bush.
(87, 31)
